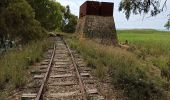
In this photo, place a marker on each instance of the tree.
(69, 21)
(141, 6)
(23, 19)
(70, 27)
(48, 12)
(167, 25)
(18, 21)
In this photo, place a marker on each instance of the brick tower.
(96, 21)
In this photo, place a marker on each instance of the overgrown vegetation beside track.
(139, 78)
(15, 64)
(27, 22)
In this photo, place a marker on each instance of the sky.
(135, 21)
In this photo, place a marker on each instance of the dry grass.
(14, 64)
(135, 76)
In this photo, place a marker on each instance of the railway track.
(63, 75)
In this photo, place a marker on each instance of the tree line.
(25, 20)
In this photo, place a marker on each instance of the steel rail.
(38, 97)
(77, 72)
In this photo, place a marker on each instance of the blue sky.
(121, 22)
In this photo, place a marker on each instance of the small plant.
(100, 71)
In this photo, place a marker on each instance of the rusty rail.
(38, 97)
(77, 72)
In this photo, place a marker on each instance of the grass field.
(151, 39)
(142, 71)
(150, 45)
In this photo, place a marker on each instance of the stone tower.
(96, 21)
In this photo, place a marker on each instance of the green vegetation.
(15, 64)
(151, 46)
(48, 13)
(53, 16)
(167, 24)
(26, 20)
(148, 42)
(69, 21)
(142, 71)
(153, 42)
(17, 21)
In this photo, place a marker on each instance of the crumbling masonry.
(96, 21)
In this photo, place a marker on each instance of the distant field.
(144, 36)
(150, 39)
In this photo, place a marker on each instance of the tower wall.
(101, 25)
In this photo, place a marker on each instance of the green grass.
(142, 71)
(14, 64)
(150, 45)
(149, 39)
